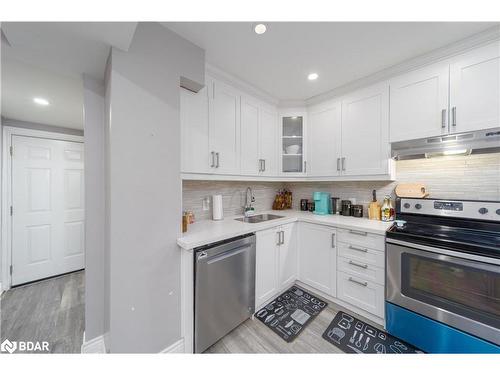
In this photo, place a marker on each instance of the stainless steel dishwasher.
(224, 288)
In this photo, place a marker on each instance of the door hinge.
(11, 211)
(11, 150)
(11, 269)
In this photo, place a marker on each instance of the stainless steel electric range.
(443, 275)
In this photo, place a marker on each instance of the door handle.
(358, 232)
(217, 157)
(213, 159)
(338, 164)
(358, 282)
(454, 116)
(443, 118)
(365, 266)
(333, 240)
(343, 163)
(358, 249)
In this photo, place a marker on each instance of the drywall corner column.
(145, 190)
(93, 102)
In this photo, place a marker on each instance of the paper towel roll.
(217, 209)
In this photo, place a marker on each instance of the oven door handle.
(449, 253)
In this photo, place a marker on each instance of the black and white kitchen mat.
(355, 336)
(289, 313)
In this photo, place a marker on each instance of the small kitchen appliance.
(321, 203)
(346, 208)
(357, 210)
(336, 206)
(443, 275)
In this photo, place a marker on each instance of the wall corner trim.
(176, 347)
(95, 346)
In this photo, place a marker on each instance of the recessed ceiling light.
(41, 101)
(260, 28)
(312, 76)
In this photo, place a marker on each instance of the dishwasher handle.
(226, 254)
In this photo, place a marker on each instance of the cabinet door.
(266, 266)
(475, 90)
(225, 128)
(324, 131)
(317, 257)
(195, 155)
(365, 132)
(288, 256)
(419, 104)
(292, 148)
(249, 138)
(268, 131)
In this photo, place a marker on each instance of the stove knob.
(483, 210)
(418, 206)
(407, 205)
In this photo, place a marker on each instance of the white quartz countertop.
(209, 231)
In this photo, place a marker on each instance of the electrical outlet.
(205, 204)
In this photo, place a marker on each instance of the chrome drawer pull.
(365, 266)
(358, 249)
(333, 240)
(358, 282)
(359, 233)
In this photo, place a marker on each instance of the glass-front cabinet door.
(293, 156)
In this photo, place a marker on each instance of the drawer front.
(361, 293)
(362, 270)
(358, 237)
(361, 254)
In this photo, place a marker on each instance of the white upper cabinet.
(365, 131)
(195, 157)
(268, 143)
(224, 128)
(292, 144)
(324, 138)
(475, 89)
(419, 104)
(249, 144)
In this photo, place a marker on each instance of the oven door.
(457, 289)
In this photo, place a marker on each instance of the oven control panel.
(450, 206)
(481, 210)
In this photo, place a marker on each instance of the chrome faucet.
(249, 199)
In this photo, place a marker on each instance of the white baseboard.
(96, 345)
(176, 347)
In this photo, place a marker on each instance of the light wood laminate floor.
(51, 310)
(254, 337)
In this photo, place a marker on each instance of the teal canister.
(322, 203)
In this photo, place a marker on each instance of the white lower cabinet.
(318, 257)
(276, 262)
(361, 293)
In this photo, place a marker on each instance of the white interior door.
(48, 208)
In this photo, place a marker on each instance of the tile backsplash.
(459, 177)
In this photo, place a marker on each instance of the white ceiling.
(21, 82)
(279, 61)
(47, 59)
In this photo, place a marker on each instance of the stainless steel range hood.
(482, 141)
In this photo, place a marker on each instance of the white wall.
(145, 193)
(93, 98)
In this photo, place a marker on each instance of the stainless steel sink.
(259, 218)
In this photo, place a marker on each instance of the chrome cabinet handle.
(358, 249)
(282, 237)
(443, 118)
(213, 159)
(365, 266)
(217, 157)
(263, 165)
(278, 242)
(338, 164)
(358, 282)
(343, 164)
(454, 116)
(333, 240)
(260, 165)
(358, 232)
(305, 166)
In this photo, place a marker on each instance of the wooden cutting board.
(411, 191)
